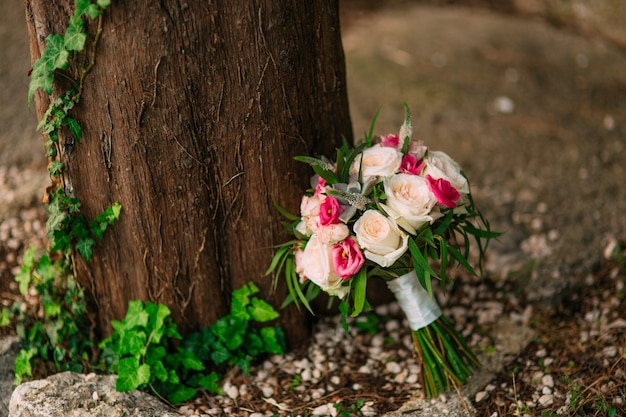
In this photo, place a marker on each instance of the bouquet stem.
(444, 357)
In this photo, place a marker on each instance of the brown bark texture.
(191, 118)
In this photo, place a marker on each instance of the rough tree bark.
(191, 117)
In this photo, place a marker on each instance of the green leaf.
(240, 299)
(93, 11)
(157, 315)
(5, 317)
(230, 330)
(132, 343)
(84, 247)
(23, 365)
(159, 371)
(132, 375)
(55, 168)
(74, 128)
(74, 35)
(54, 57)
(52, 309)
(209, 382)
(46, 270)
(23, 279)
(284, 212)
(220, 354)
(273, 340)
(360, 286)
(81, 6)
(136, 315)
(261, 311)
(104, 3)
(181, 394)
(370, 135)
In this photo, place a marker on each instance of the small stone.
(546, 390)
(257, 415)
(610, 351)
(335, 380)
(546, 399)
(481, 395)
(95, 396)
(232, 391)
(324, 410)
(267, 391)
(541, 353)
(306, 375)
(547, 381)
(393, 367)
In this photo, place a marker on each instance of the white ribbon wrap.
(420, 308)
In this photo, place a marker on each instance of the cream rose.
(316, 264)
(380, 237)
(410, 199)
(377, 161)
(440, 165)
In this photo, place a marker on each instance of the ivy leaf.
(93, 11)
(104, 3)
(55, 168)
(261, 311)
(45, 269)
(131, 375)
(209, 382)
(74, 128)
(23, 366)
(136, 315)
(273, 340)
(23, 279)
(241, 299)
(74, 35)
(157, 315)
(84, 246)
(54, 57)
(81, 6)
(159, 371)
(181, 394)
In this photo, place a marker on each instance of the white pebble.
(324, 410)
(95, 396)
(393, 367)
(232, 391)
(267, 391)
(481, 395)
(609, 351)
(335, 380)
(548, 381)
(546, 399)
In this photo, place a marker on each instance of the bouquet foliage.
(393, 209)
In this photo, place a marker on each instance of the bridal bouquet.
(393, 209)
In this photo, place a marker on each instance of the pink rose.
(321, 185)
(390, 141)
(347, 258)
(329, 211)
(445, 193)
(410, 165)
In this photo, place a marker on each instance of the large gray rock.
(71, 394)
(9, 346)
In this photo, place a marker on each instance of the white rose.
(440, 165)
(381, 161)
(316, 264)
(332, 233)
(410, 199)
(380, 237)
(310, 212)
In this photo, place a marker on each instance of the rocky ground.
(536, 116)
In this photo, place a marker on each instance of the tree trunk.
(191, 118)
